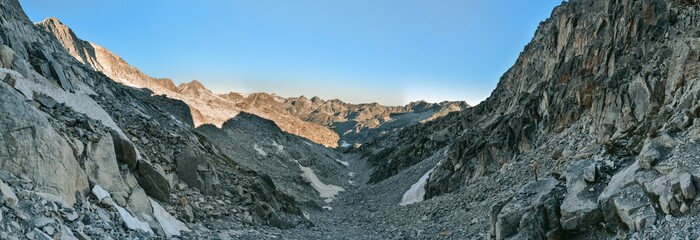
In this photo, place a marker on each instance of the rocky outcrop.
(197, 172)
(619, 74)
(32, 148)
(533, 213)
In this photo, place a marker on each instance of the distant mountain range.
(329, 122)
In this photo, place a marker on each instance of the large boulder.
(101, 165)
(625, 199)
(194, 170)
(125, 150)
(533, 213)
(580, 207)
(152, 179)
(634, 208)
(31, 147)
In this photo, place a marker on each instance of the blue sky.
(386, 51)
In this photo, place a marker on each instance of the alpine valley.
(593, 133)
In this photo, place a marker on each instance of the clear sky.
(385, 51)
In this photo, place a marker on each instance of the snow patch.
(260, 150)
(417, 191)
(326, 191)
(100, 192)
(351, 182)
(351, 174)
(344, 144)
(170, 225)
(327, 208)
(131, 222)
(347, 164)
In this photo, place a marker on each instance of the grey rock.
(153, 181)
(634, 208)
(49, 230)
(67, 233)
(39, 235)
(189, 214)
(580, 207)
(8, 195)
(651, 153)
(590, 172)
(31, 141)
(101, 165)
(42, 222)
(69, 215)
(139, 204)
(194, 170)
(125, 150)
(527, 214)
(45, 100)
(687, 186)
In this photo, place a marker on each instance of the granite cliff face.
(610, 82)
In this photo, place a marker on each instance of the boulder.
(650, 154)
(7, 56)
(45, 100)
(531, 214)
(59, 75)
(685, 182)
(197, 172)
(580, 207)
(33, 148)
(634, 208)
(124, 149)
(101, 165)
(8, 195)
(152, 179)
(626, 197)
(590, 172)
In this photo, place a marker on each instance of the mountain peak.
(194, 88)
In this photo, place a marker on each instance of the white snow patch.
(170, 225)
(347, 164)
(306, 215)
(351, 174)
(351, 182)
(327, 208)
(308, 143)
(100, 192)
(326, 191)
(344, 144)
(328, 200)
(417, 191)
(131, 222)
(260, 150)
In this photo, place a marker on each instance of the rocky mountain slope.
(592, 134)
(324, 122)
(83, 157)
(604, 100)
